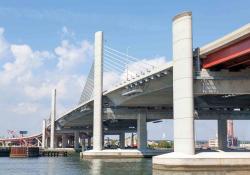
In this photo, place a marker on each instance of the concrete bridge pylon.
(52, 119)
(183, 98)
(98, 88)
(44, 134)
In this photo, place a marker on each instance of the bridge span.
(211, 82)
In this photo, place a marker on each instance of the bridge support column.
(98, 81)
(141, 132)
(44, 134)
(47, 142)
(52, 119)
(89, 142)
(64, 141)
(222, 134)
(132, 140)
(76, 139)
(56, 142)
(122, 140)
(183, 97)
(83, 143)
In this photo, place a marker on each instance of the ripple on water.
(75, 166)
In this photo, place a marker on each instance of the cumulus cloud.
(71, 55)
(25, 60)
(28, 76)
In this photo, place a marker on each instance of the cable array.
(128, 67)
(87, 92)
(119, 67)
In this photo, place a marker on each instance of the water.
(75, 166)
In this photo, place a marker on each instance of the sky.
(49, 44)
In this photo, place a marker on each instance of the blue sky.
(39, 36)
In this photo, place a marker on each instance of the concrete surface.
(121, 153)
(202, 161)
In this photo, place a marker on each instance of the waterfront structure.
(199, 84)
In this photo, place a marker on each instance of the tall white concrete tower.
(98, 86)
(44, 134)
(52, 119)
(183, 97)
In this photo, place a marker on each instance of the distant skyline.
(47, 44)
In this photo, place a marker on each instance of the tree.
(165, 144)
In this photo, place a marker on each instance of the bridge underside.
(217, 95)
(229, 52)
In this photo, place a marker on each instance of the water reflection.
(96, 167)
(75, 166)
(120, 166)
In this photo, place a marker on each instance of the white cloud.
(28, 76)
(25, 61)
(71, 55)
(25, 108)
(110, 79)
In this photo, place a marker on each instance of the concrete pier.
(205, 161)
(56, 141)
(122, 140)
(222, 134)
(89, 142)
(64, 141)
(142, 132)
(98, 86)
(121, 153)
(76, 140)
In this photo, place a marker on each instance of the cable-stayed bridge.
(211, 82)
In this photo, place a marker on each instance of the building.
(213, 143)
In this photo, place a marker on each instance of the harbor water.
(75, 166)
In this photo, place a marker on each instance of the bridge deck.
(229, 52)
